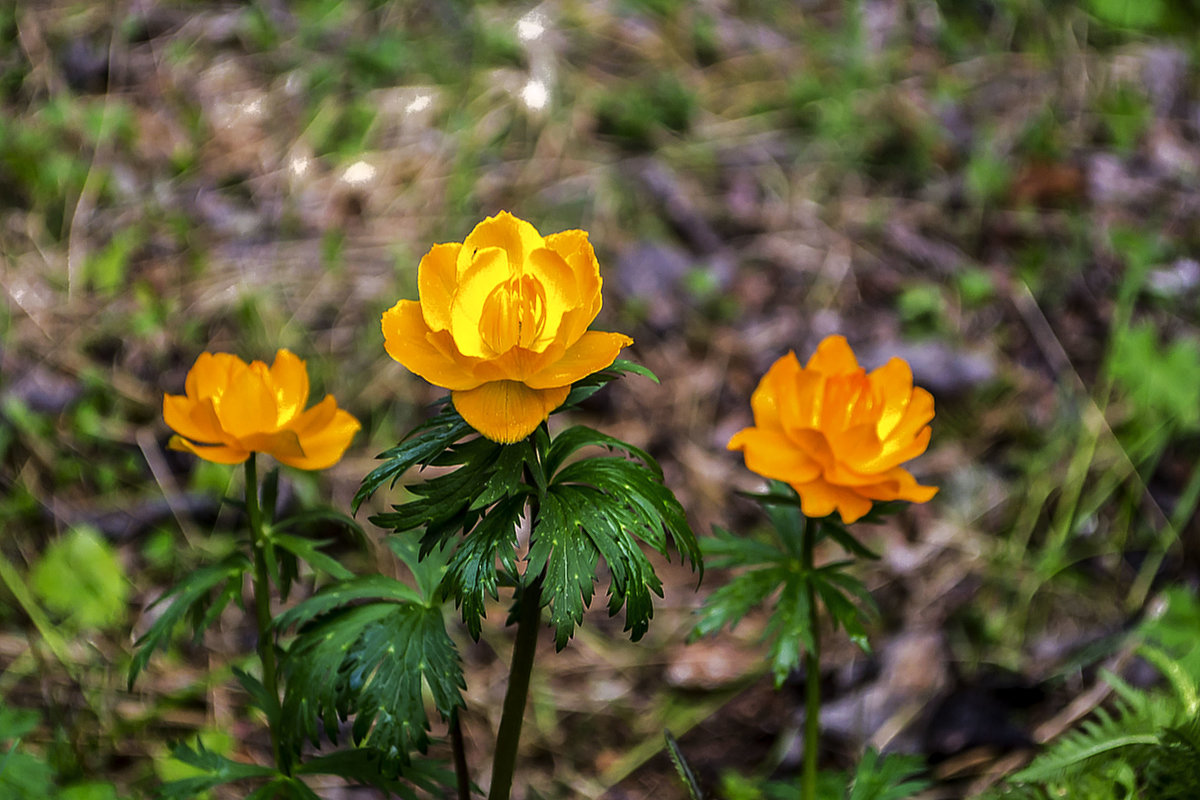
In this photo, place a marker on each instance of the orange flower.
(234, 409)
(837, 433)
(502, 323)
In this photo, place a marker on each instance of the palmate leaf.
(777, 580)
(422, 445)
(737, 598)
(585, 388)
(890, 777)
(366, 651)
(789, 631)
(602, 508)
(725, 549)
(452, 503)
(191, 597)
(368, 765)
(471, 576)
(216, 770)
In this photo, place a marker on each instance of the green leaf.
(505, 474)
(1163, 382)
(639, 489)
(16, 722)
(577, 437)
(427, 570)
(602, 507)
(1144, 15)
(318, 515)
(309, 552)
(744, 592)
(24, 777)
(370, 663)
(260, 698)
(471, 576)
(370, 766)
(188, 597)
(683, 768)
(377, 588)
(835, 530)
(725, 549)
(892, 777)
(1099, 737)
(215, 769)
(585, 388)
(80, 578)
(789, 630)
(452, 502)
(89, 790)
(568, 558)
(422, 445)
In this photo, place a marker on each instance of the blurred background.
(1004, 192)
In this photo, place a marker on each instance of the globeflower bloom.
(501, 321)
(231, 409)
(837, 433)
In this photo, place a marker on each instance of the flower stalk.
(462, 777)
(812, 667)
(259, 543)
(509, 734)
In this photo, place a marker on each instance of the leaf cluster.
(894, 776)
(204, 593)
(1148, 743)
(375, 647)
(365, 765)
(774, 573)
(581, 510)
(366, 650)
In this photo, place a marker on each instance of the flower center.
(514, 314)
(849, 402)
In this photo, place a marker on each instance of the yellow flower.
(502, 323)
(837, 433)
(232, 409)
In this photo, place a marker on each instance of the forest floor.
(1007, 195)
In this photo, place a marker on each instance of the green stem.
(812, 669)
(509, 735)
(262, 606)
(458, 748)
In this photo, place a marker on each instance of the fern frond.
(1125, 735)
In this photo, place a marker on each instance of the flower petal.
(559, 290)
(280, 444)
(289, 376)
(594, 351)
(407, 338)
(892, 385)
(833, 357)
(194, 419)
(487, 270)
(325, 431)
(437, 278)
(513, 235)
(219, 454)
(821, 498)
(574, 248)
(507, 411)
(769, 395)
(918, 414)
(774, 456)
(248, 404)
(209, 376)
